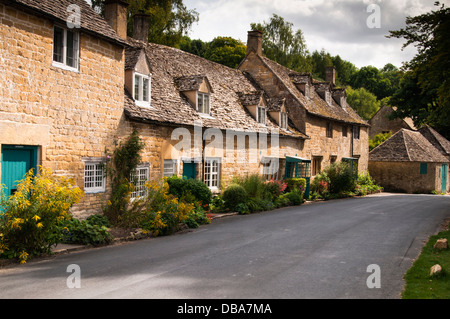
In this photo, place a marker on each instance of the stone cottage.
(61, 99)
(412, 162)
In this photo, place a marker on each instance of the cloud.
(338, 26)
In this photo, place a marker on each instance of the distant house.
(380, 123)
(409, 162)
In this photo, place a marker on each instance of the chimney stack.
(140, 26)
(254, 42)
(330, 75)
(116, 16)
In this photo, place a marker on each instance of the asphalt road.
(318, 250)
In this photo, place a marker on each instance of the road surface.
(349, 248)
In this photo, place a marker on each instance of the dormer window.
(203, 103)
(283, 120)
(261, 115)
(142, 89)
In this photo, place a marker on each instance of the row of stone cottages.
(70, 92)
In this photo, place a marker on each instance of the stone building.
(74, 85)
(318, 109)
(61, 92)
(380, 123)
(412, 162)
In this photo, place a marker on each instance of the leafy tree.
(378, 139)
(373, 80)
(170, 20)
(424, 93)
(363, 102)
(226, 51)
(282, 44)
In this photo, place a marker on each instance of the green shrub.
(341, 178)
(189, 190)
(84, 233)
(196, 218)
(99, 220)
(295, 183)
(295, 197)
(235, 197)
(254, 185)
(366, 185)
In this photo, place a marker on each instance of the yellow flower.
(39, 225)
(36, 217)
(23, 257)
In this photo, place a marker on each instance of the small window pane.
(137, 80)
(58, 45)
(145, 89)
(72, 45)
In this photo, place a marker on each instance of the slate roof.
(407, 146)
(90, 21)
(438, 141)
(174, 70)
(315, 105)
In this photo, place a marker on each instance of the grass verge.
(419, 283)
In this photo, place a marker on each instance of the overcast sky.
(337, 26)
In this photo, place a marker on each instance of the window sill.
(143, 104)
(206, 116)
(94, 191)
(65, 67)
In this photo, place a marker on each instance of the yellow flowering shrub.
(162, 211)
(28, 225)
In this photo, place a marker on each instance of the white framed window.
(66, 47)
(203, 103)
(283, 120)
(139, 178)
(211, 174)
(94, 177)
(142, 89)
(261, 116)
(170, 168)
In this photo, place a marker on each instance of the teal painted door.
(444, 178)
(189, 170)
(16, 162)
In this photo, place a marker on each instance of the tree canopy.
(424, 92)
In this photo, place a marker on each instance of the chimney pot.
(330, 75)
(254, 42)
(140, 26)
(116, 16)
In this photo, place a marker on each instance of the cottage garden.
(37, 216)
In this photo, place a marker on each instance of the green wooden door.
(189, 170)
(444, 178)
(16, 161)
